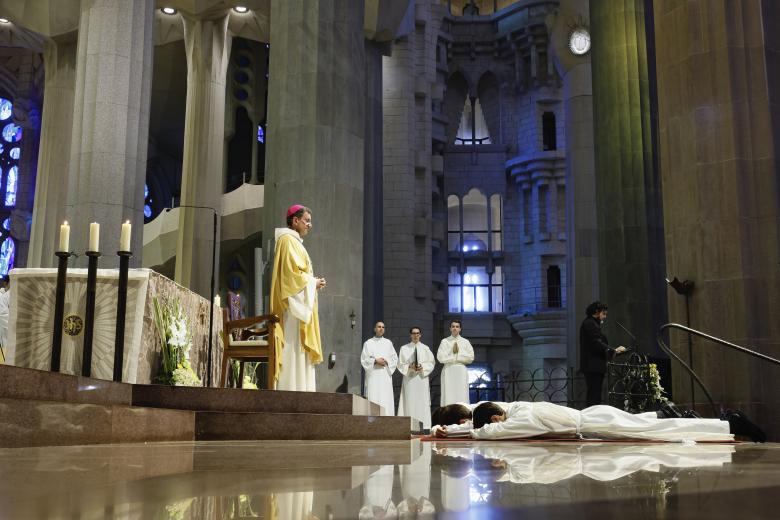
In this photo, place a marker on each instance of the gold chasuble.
(292, 273)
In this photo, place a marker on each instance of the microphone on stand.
(633, 338)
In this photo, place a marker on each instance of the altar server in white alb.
(379, 360)
(455, 353)
(416, 362)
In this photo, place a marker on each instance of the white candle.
(94, 236)
(217, 301)
(124, 238)
(64, 236)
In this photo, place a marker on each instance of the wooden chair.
(238, 345)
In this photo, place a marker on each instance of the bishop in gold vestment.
(294, 299)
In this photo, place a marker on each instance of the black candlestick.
(89, 314)
(59, 309)
(121, 307)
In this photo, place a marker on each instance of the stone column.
(582, 255)
(630, 235)
(208, 52)
(718, 158)
(59, 61)
(110, 124)
(315, 156)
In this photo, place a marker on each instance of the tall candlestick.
(124, 238)
(64, 236)
(94, 237)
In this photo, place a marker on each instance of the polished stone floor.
(390, 479)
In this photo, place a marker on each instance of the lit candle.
(64, 236)
(217, 301)
(124, 238)
(94, 236)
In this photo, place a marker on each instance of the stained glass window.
(7, 251)
(148, 211)
(10, 187)
(10, 154)
(12, 133)
(6, 109)
(260, 134)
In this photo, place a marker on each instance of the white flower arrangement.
(656, 390)
(176, 342)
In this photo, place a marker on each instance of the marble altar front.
(32, 313)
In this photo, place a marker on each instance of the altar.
(31, 317)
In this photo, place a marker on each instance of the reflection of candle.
(124, 238)
(217, 301)
(94, 236)
(64, 236)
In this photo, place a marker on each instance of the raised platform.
(41, 408)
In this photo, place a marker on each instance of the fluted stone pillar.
(631, 260)
(719, 121)
(315, 156)
(207, 44)
(582, 252)
(59, 61)
(110, 124)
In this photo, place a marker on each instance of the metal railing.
(708, 337)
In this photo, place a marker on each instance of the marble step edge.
(42, 385)
(237, 400)
(31, 423)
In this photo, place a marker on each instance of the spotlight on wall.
(168, 10)
(240, 9)
(5, 20)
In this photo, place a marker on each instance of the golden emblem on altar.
(73, 325)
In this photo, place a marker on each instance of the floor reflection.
(306, 480)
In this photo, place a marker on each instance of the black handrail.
(714, 339)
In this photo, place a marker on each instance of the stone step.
(27, 423)
(41, 385)
(236, 400)
(49, 423)
(221, 426)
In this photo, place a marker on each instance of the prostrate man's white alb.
(526, 419)
(455, 352)
(415, 392)
(379, 379)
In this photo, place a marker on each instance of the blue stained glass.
(6, 109)
(14, 153)
(147, 211)
(7, 251)
(260, 134)
(7, 223)
(10, 189)
(12, 133)
(146, 191)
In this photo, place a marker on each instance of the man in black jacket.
(594, 351)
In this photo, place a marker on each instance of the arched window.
(473, 128)
(548, 131)
(474, 226)
(475, 222)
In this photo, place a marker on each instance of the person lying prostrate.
(524, 420)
